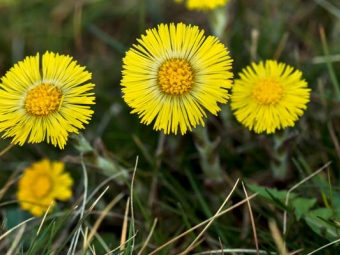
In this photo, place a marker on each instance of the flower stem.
(218, 19)
(208, 152)
(90, 155)
(280, 153)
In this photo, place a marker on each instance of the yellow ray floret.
(203, 4)
(43, 183)
(174, 75)
(46, 101)
(269, 96)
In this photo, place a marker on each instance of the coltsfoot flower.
(43, 183)
(46, 101)
(203, 4)
(174, 75)
(269, 96)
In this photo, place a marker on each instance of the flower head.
(203, 4)
(269, 96)
(43, 183)
(46, 101)
(174, 75)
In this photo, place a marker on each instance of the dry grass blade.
(125, 222)
(17, 226)
(39, 229)
(77, 228)
(277, 237)
(296, 252)
(252, 220)
(210, 222)
(219, 240)
(294, 187)
(43, 219)
(102, 184)
(9, 182)
(235, 251)
(132, 212)
(117, 248)
(98, 237)
(330, 67)
(148, 238)
(101, 218)
(197, 243)
(334, 138)
(125, 226)
(323, 59)
(323, 247)
(98, 198)
(16, 240)
(6, 149)
(85, 242)
(254, 44)
(203, 223)
(281, 46)
(82, 208)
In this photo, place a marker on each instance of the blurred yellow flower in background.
(269, 96)
(174, 74)
(43, 183)
(7, 3)
(46, 101)
(203, 4)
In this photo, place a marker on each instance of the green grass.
(171, 191)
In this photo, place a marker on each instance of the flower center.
(267, 91)
(176, 76)
(43, 100)
(42, 186)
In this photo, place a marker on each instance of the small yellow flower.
(174, 75)
(203, 4)
(46, 101)
(269, 96)
(43, 183)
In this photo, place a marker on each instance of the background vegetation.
(170, 184)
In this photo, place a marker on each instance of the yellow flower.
(5, 3)
(203, 4)
(269, 96)
(43, 183)
(174, 75)
(45, 102)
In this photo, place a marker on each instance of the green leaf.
(330, 222)
(263, 191)
(279, 203)
(302, 206)
(319, 226)
(336, 202)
